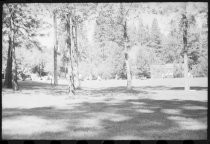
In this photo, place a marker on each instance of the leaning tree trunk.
(185, 25)
(55, 48)
(71, 87)
(128, 70)
(8, 76)
(11, 70)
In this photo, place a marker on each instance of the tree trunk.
(65, 68)
(39, 70)
(11, 70)
(77, 80)
(70, 65)
(72, 55)
(128, 70)
(14, 71)
(185, 22)
(55, 49)
(187, 87)
(8, 75)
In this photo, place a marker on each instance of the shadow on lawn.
(191, 88)
(128, 117)
(198, 88)
(31, 85)
(142, 118)
(120, 89)
(62, 89)
(135, 90)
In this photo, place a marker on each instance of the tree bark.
(65, 68)
(128, 70)
(39, 70)
(77, 80)
(55, 49)
(8, 75)
(72, 56)
(71, 87)
(11, 70)
(126, 49)
(14, 81)
(185, 26)
(187, 86)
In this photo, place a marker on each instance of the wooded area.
(102, 41)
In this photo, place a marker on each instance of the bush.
(39, 69)
(200, 70)
(178, 71)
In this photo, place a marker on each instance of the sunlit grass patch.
(28, 125)
(171, 111)
(144, 111)
(90, 123)
(188, 123)
(194, 107)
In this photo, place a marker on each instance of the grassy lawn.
(154, 109)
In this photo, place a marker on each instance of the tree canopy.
(100, 36)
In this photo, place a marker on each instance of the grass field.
(153, 109)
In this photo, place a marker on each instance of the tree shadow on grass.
(191, 88)
(28, 87)
(34, 85)
(62, 89)
(198, 88)
(118, 90)
(136, 90)
(140, 118)
(153, 116)
(119, 116)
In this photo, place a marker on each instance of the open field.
(154, 109)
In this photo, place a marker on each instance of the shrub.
(178, 71)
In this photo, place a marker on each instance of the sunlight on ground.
(171, 111)
(188, 123)
(171, 82)
(138, 103)
(179, 95)
(32, 101)
(90, 123)
(84, 134)
(127, 137)
(28, 125)
(145, 111)
(194, 108)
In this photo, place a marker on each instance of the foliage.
(100, 37)
(27, 27)
(178, 71)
